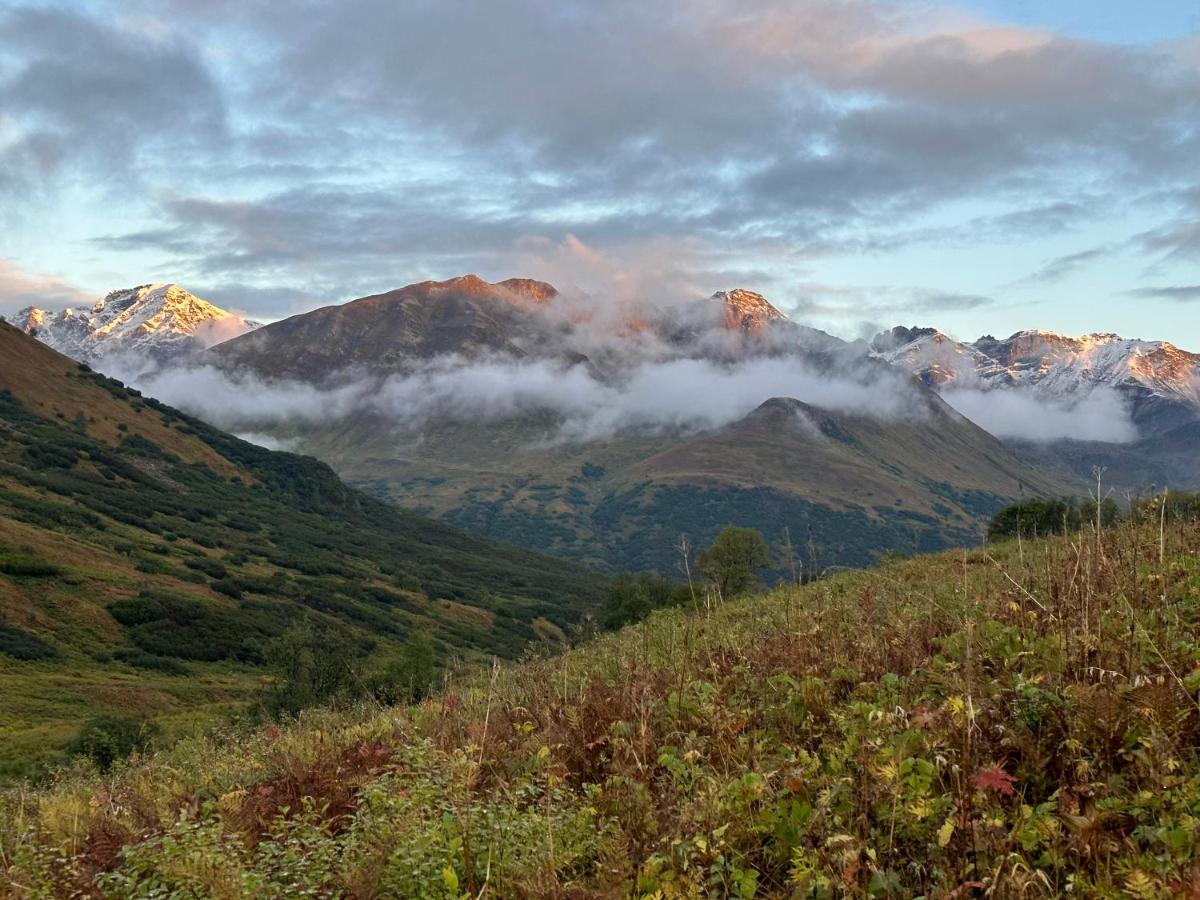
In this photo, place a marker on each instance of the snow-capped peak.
(136, 327)
(1055, 364)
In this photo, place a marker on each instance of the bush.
(165, 624)
(26, 565)
(109, 738)
(24, 646)
(1039, 518)
(634, 595)
(409, 678)
(1181, 506)
(312, 666)
(735, 560)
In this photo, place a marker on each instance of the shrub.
(20, 644)
(409, 678)
(1040, 517)
(26, 565)
(634, 595)
(312, 666)
(110, 737)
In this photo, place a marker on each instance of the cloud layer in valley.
(1021, 414)
(683, 393)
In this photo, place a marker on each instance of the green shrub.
(26, 565)
(634, 595)
(313, 665)
(1041, 517)
(20, 644)
(734, 562)
(109, 738)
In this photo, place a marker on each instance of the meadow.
(1015, 720)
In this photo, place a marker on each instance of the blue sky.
(983, 166)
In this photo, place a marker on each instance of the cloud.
(1180, 293)
(881, 302)
(19, 289)
(1178, 242)
(1057, 269)
(87, 92)
(677, 393)
(368, 143)
(1016, 414)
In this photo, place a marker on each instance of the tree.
(634, 595)
(110, 737)
(734, 561)
(408, 678)
(311, 667)
(1037, 518)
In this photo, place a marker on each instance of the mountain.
(147, 559)
(518, 318)
(1158, 385)
(601, 433)
(1159, 381)
(135, 328)
(389, 332)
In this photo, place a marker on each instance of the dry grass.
(1020, 721)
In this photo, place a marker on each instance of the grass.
(1016, 721)
(147, 559)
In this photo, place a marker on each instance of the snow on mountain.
(1159, 381)
(136, 328)
(1060, 363)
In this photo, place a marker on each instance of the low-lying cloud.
(680, 393)
(1021, 414)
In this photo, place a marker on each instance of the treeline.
(1043, 517)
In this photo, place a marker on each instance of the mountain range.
(130, 330)
(602, 431)
(1159, 382)
(1155, 385)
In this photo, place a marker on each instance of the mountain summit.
(747, 311)
(148, 325)
(1160, 381)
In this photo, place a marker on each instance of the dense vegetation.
(1020, 720)
(1040, 517)
(149, 562)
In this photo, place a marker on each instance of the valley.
(148, 560)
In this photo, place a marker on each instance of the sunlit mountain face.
(130, 331)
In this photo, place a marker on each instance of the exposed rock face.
(747, 311)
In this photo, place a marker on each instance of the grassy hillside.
(850, 486)
(146, 559)
(1020, 721)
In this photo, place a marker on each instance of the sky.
(981, 166)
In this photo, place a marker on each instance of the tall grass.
(1020, 720)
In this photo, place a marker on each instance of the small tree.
(634, 595)
(735, 560)
(311, 667)
(110, 737)
(408, 677)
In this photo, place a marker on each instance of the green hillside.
(146, 560)
(848, 486)
(1016, 721)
